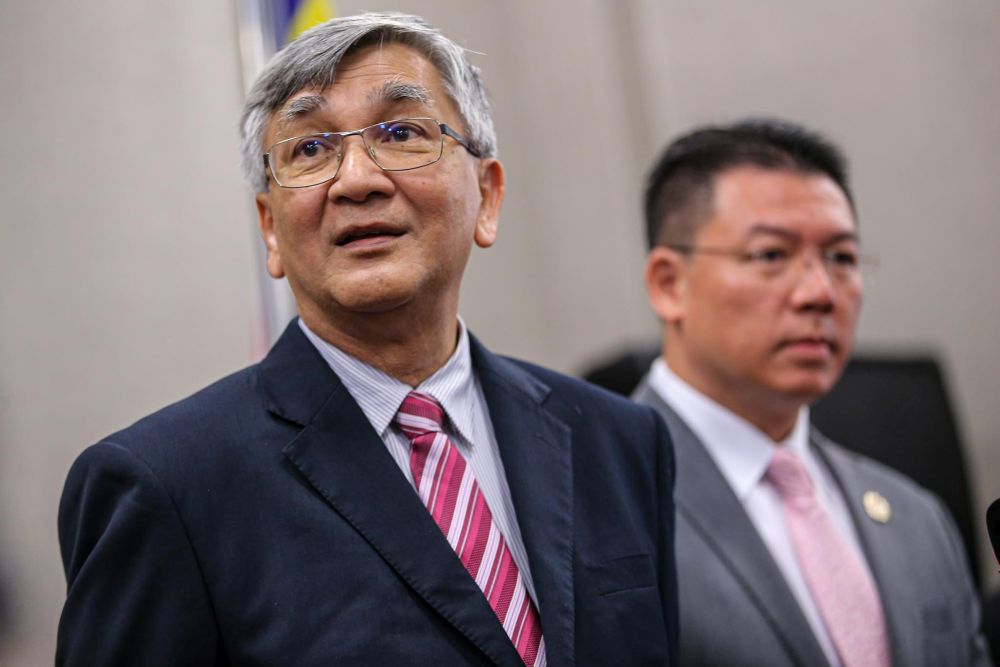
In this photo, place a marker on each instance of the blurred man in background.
(381, 489)
(791, 550)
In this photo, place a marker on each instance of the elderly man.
(380, 489)
(791, 550)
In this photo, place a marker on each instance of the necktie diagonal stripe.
(448, 488)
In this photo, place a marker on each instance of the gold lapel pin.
(876, 506)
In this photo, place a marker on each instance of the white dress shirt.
(742, 453)
(467, 423)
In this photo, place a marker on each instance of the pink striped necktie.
(448, 488)
(840, 584)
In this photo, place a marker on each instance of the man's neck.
(775, 417)
(408, 347)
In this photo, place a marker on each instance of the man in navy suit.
(380, 489)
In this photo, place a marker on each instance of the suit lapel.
(705, 500)
(341, 456)
(880, 545)
(535, 447)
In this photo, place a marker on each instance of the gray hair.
(311, 62)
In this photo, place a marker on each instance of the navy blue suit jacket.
(263, 522)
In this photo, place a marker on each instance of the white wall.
(126, 279)
(125, 233)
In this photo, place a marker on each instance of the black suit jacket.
(263, 522)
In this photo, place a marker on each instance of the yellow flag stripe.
(308, 14)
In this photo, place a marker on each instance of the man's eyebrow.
(395, 90)
(301, 106)
(390, 92)
(760, 228)
(844, 236)
(765, 228)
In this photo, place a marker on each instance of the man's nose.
(359, 176)
(814, 287)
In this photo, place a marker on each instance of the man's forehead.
(379, 72)
(747, 185)
(750, 192)
(391, 92)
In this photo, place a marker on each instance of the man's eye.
(768, 255)
(311, 148)
(399, 133)
(845, 258)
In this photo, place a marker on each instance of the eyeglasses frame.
(864, 261)
(445, 131)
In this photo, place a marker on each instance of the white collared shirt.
(742, 452)
(468, 424)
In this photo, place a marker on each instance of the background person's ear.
(666, 284)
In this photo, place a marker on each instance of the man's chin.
(367, 292)
(377, 304)
(808, 390)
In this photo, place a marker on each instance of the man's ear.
(266, 221)
(491, 189)
(666, 284)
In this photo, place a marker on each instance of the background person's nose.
(814, 285)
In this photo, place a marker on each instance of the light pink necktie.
(448, 488)
(840, 584)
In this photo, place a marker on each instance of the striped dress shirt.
(468, 424)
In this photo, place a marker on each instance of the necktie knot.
(789, 476)
(419, 414)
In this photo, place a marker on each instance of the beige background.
(128, 277)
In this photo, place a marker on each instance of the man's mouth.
(364, 235)
(811, 345)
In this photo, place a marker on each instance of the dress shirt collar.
(740, 450)
(379, 395)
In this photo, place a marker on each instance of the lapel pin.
(876, 506)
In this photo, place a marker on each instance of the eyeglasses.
(773, 262)
(394, 145)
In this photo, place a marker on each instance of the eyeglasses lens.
(395, 145)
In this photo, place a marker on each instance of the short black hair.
(679, 189)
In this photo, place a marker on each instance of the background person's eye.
(846, 258)
(768, 255)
